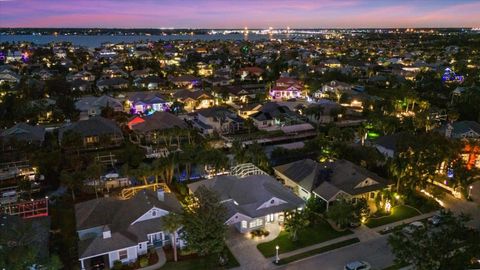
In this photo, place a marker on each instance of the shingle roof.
(159, 121)
(245, 195)
(327, 179)
(118, 215)
(24, 132)
(94, 126)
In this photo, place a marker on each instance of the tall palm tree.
(171, 223)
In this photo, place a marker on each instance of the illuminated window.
(123, 255)
(92, 139)
(244, 224)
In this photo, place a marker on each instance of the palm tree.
(171, 223)
(143, 171)
(95, 171)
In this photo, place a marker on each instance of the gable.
(274, 201)
(365, 183)
(237, 218)
(151, 214)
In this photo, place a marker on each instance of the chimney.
(448, 131)
(160, 195)
(106, 232)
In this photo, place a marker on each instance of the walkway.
(245, 249)
(161, 260)
(458, 206)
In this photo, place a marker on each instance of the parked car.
(410, 228)
(357, 265)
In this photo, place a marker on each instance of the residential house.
(194, 99)
(246, 110)
(112, 84)
(461, 130)
(146, 102)
(110, 229)
(331, 181)
(82, 75)
(217, 119)
(249, 73)
(81, 86)
(387, 144)
(150, 83)
(91, 106)
(237, 93)
(251, 201)
(149, 128)
(187, 81)
(287, 88)
(23, 133)
(272, 114)
(8, 76)
(96, 132)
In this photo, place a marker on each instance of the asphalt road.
(376, 252)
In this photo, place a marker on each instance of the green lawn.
(311, 235)
(209, 262)
(318, 251)
(400, 212)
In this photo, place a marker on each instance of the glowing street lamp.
(276, 256)
(470, 191)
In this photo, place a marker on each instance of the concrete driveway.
(244, 248)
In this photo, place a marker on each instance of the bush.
(143, 261)
(117, 265)
(259, 233)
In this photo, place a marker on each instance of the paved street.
(461, 206)
(376, 252)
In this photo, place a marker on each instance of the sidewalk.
(405, 221)
(319, 245)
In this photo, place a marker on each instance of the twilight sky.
(239, 13)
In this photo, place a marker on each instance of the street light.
(276, 256)
(470, 191)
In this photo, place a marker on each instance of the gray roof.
(271, 110)
(85, 103)
(462, 127)
(245, 195)
(159, 121)
(327, 179)
(94, 126)
(389, 141)
(117, 216)
(24, 132)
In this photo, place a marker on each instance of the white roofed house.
(110, 229)
(252, 201)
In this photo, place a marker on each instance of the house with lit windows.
(146, 102)
(250, 208)
(286, 88)
(110, 229)
(95, 133)
(331, 181)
